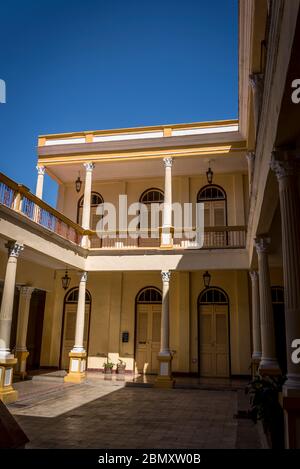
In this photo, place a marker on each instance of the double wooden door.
(213, 340)
(148, 337)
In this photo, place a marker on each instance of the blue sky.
(72, 65)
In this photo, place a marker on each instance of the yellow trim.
(141, 155)
(192, 125)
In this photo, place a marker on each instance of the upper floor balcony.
(20, 200)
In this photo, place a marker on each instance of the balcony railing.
(18, 198)
(217, 237)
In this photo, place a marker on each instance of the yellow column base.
(77, 369)
(7, 393)
(21, 364)
(164, 378)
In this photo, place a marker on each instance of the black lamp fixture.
(78, 183)
(65, 280)
(209, 175)
(206, 279)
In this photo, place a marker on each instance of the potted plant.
(108, 367)
(264, 393)
(121, 366)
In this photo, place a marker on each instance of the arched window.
(149, 295)
(152, 196)
(72, 296)
(215, 206)
(213, 296)
(96, 199)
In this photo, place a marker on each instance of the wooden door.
(213, 340)
(69, 332)
(148, 337)
(215, 215)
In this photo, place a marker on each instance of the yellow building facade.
(76, 299)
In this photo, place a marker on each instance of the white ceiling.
(120, 170)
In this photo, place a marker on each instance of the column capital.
(256, 80)
(168, 162)
(25, 290)
(165, 275)
(83, 276)
(89, 166)
(14, 248)
(253, 275)
(262, 244)
(250, 156)
(284, 164)
(41, 170)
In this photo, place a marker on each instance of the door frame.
(63, 323)
(136, 311)
(228, 324)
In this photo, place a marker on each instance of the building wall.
(184, 188)
(113, 312)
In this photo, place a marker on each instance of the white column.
(79, 331)
(256, 333)
(40, 181)
(165, 328)
(269, 364)
(166, 236)
(6, 312)
(250, 156)
(86, 210)
(286, 171)
(256, 81)
(23, 315)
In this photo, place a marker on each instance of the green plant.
(108, 365)
(263, 392)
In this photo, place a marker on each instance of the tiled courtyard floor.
(100, 414)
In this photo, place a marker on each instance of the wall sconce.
(209, 175)
(206, 279)
(78, 183)
(65, 281)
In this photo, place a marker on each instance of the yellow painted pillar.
(7, 360)
(23, 316)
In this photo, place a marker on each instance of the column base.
(166, 240)
(7, 393)
(77, 369)
(164, 378)
(21, 364)
(255, 366)
(269, 367)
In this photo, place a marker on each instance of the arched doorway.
(213, 333)
(69, 324)
(149, 197)
(279, 326)
(147, 327)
